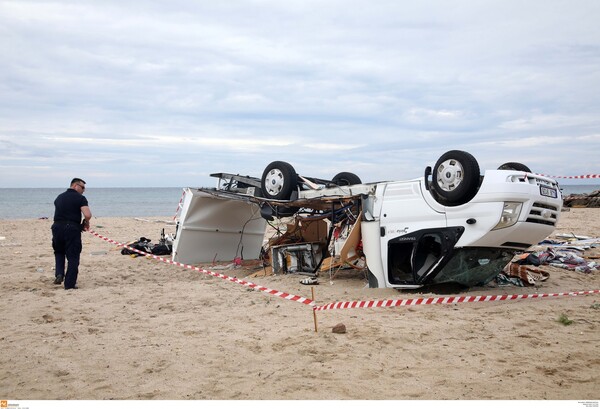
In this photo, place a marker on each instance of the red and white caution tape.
(179, 206)
(442, 300)
(254, 286)
(353, 304)
(591, 176)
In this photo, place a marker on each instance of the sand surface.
(141, 329)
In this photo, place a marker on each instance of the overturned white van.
(453, 225)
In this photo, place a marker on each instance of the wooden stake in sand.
(312, 290)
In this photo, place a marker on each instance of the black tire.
(455, 178)
(514, 166)
(278, 181)
(346, 179)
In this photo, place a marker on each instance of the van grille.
(542, 213)
(533, 180)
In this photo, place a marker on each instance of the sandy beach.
(139, 328)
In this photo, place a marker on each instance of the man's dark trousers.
(66, 242)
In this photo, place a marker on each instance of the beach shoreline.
(139, 328)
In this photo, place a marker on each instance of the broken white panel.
(217, 228)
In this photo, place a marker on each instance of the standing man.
(66, 231)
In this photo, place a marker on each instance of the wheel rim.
(450, 174)
(274, 181)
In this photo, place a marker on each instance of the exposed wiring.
(252, 218)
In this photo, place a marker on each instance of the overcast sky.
(163, 93)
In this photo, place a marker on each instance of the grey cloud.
(146, 82)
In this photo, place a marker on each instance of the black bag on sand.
(161, 250)
(143, 244)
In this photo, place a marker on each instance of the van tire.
(515, 166)
(455, 178)
(278, 181)
(346, 179)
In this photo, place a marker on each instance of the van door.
(415, 258)
(403, 212)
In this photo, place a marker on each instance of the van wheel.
(514, 166)
(455, 178)
(346, 179)
(279, 181)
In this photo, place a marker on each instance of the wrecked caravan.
(453, 225)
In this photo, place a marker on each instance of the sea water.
(578, 189)
(27, 203)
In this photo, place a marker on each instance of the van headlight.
(510, 215)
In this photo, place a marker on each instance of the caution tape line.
(248, 284)
(591, 176)
(179, 205)
(442, 300)
(351, 304)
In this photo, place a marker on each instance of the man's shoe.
(72, 288)
(58, 279)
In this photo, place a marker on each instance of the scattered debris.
(162, 248)
(566, 252)
(309, 281)
(339, 329)
(296, 258)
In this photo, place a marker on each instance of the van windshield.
(473, 266)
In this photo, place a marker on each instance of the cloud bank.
(148, 93)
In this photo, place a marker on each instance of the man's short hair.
(77, 180)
